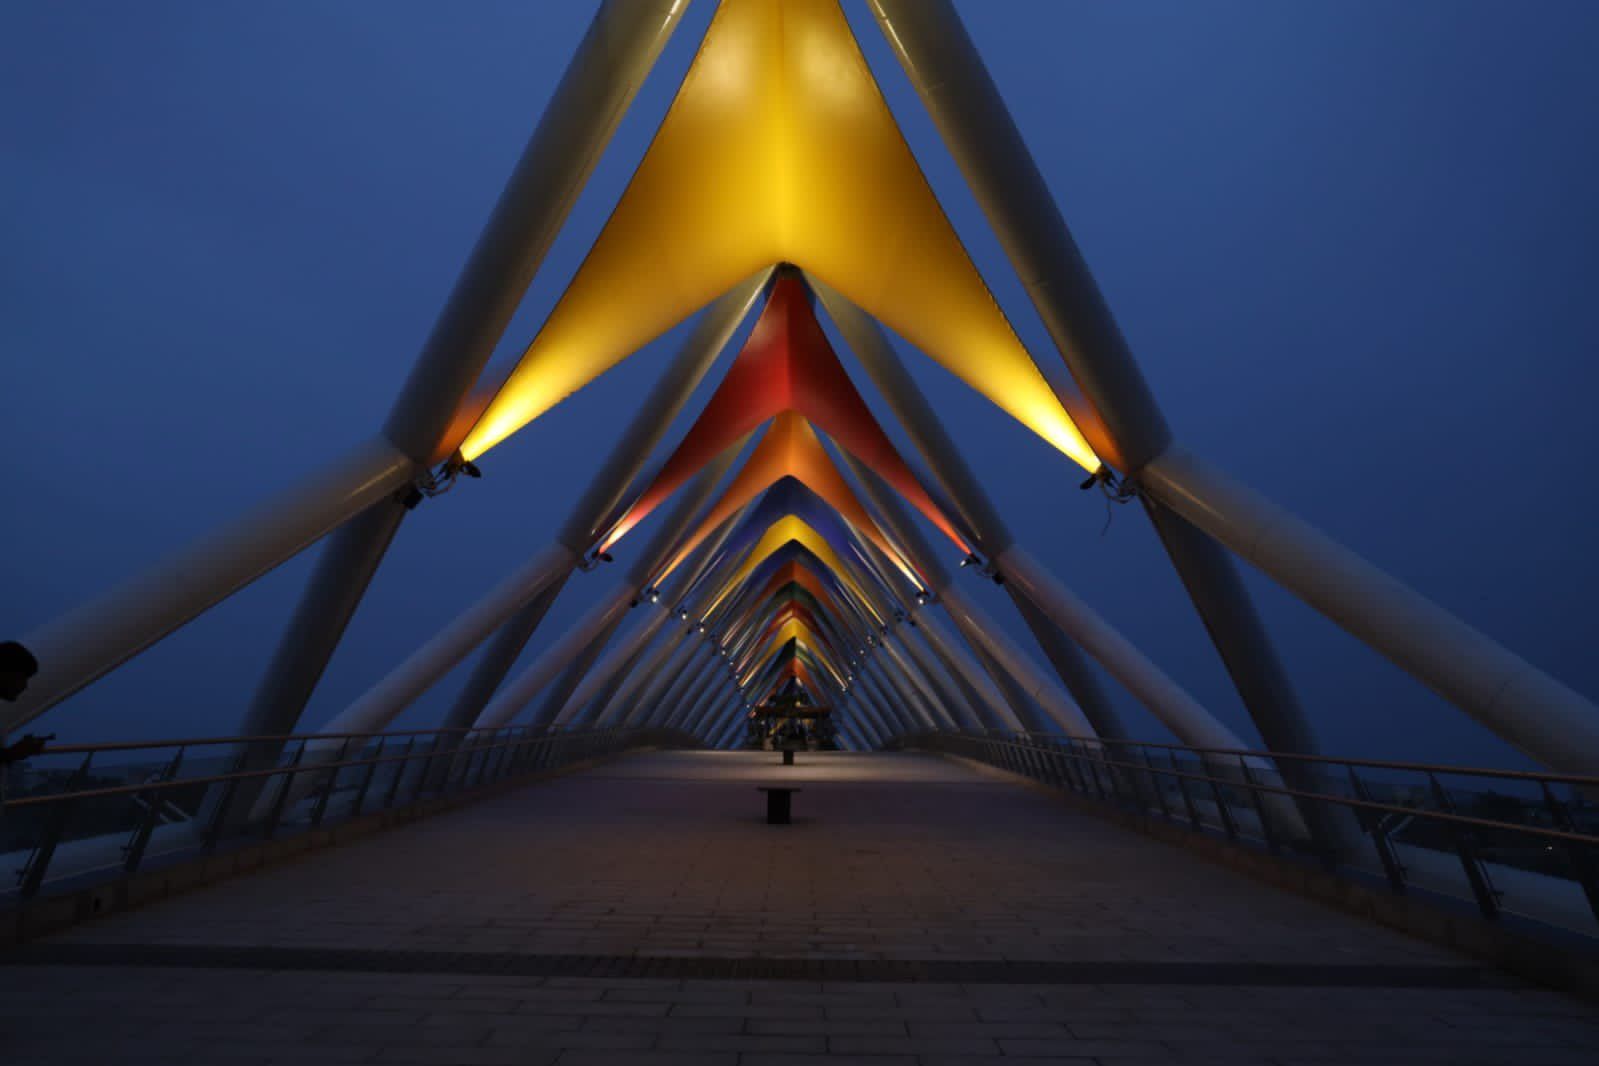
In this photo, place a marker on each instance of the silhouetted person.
(17, 667)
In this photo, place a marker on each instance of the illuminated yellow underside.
(778, 148)
(785, 529)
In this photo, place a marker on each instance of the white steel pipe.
(1533, 711)
(1188, 720)
(510, 701)
(379, 704)
(81, 646)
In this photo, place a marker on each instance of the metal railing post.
(133, 851)
(1260, 807)
(1155, 784)
(32, 875)
(331, 783)
(1372, 824)
(399, 773)
(1487, 897)
(366, 780)
(271, 827)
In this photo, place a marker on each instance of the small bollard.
(788, 756)
(779, 804)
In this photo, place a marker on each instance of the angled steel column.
(959, 709)
(890, 702)
(669, 704)
(612, 61)
(701, 701)
(690, 500)
(610, 703)
(869, 724)
(645, 700)
(731, 737)
(865, 727)
(706, 720)
(713, 719)
(1127, 425)
(500, 655)
(1513, 698)
(514, 696)
(1072, 666)
(702, 720)
(1033, 717)
(617, 710)
(963, 490)
(1016, 664)
(376, 707)
(681, 697)
(555, 665)
(1168, 701)
(946, 705)
(971, 620)
(908, 706)
(866, 737)
(846, 732)
(596, 690)
(975, 681)
(712, 330)
(695, 698)
(880, 711)
(80, 647)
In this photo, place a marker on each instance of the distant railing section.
(87, 811)
(1526, 843)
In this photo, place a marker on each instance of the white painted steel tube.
(617, 658)
(976, 624)
(514, 697)
(617, 710)
(383, 701)
(1164, 698)
(1185, 716)
(83, 645)
(645, 699)
(1548, 720)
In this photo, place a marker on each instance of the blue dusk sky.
(1353, 243)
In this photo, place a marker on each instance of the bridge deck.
(456, 940)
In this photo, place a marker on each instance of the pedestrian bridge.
(636, 907)
(985, 861)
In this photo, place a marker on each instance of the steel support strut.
(969, 503)
(1519, 702)
(1122, 421)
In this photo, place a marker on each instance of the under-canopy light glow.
(789, 448)
(786, 365)
(778, 148)
(786, 529)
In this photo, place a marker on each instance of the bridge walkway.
(918, 911)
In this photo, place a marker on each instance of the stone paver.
(890, 857)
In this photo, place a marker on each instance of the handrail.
(451, 760)
(193, 742)
(1100, 770)
(1279, 756)
(275, 771)
(1332, 797)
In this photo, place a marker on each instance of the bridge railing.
(81, 813)
(1509, 842)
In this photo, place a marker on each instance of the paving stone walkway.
(1147, 953)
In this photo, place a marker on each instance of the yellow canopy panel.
(785, 529)
(778, 148)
